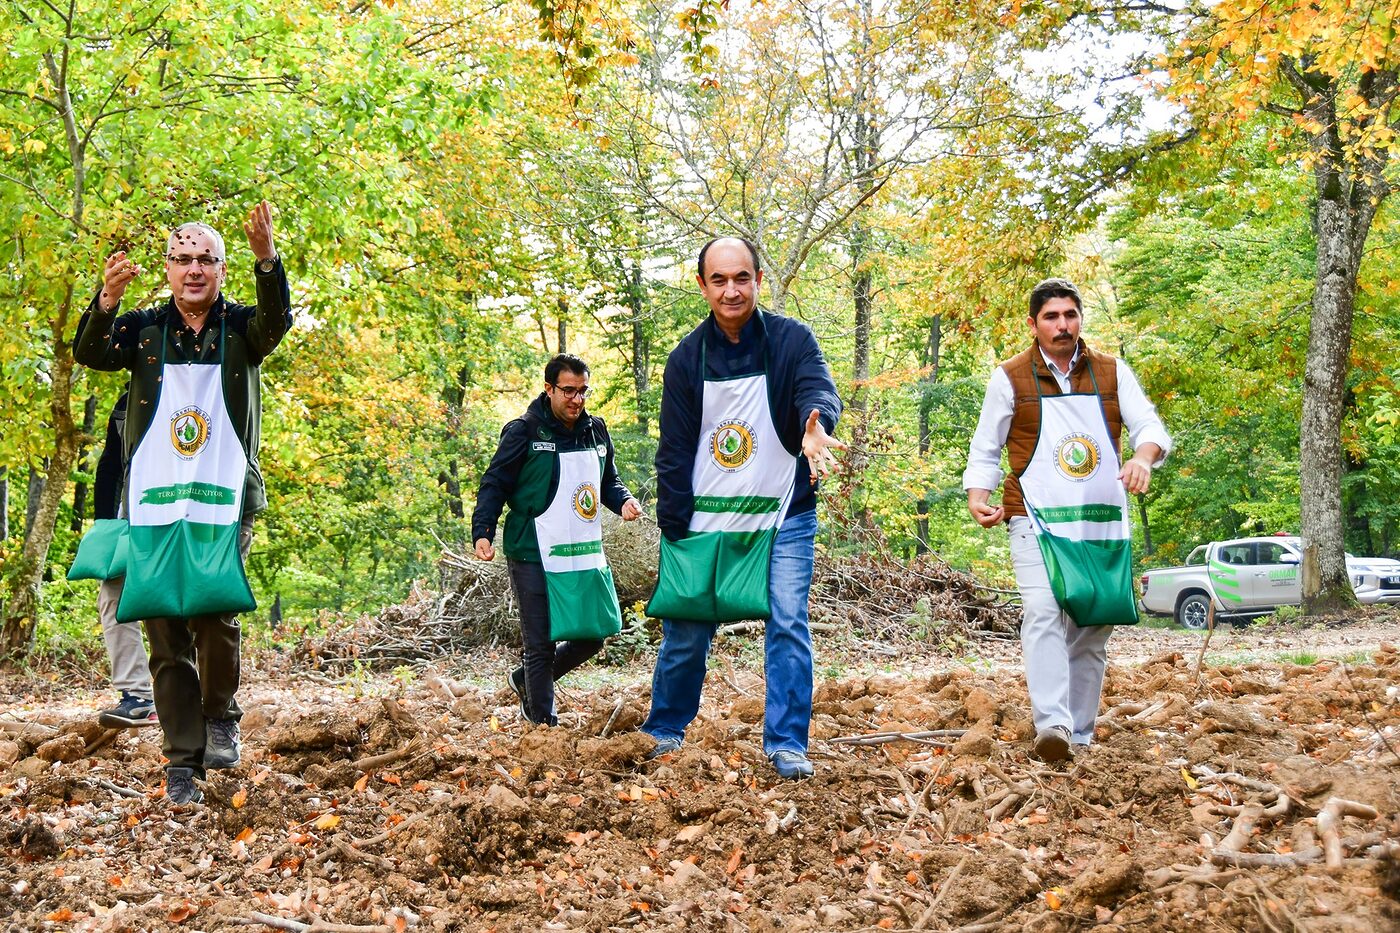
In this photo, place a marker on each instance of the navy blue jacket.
(798, 381)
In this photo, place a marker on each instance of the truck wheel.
(1193, 611)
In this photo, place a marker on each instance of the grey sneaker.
(791, 766)
(180, 788)
(664, 747)
(1052, 744)
(221, 744)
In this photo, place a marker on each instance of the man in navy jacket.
(741, 378)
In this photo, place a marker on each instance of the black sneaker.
(516, 679)
(221, 745)
(180, 789)
(131, 712)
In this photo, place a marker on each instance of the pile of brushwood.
(872, 598)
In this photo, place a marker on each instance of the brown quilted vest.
(1025, 416)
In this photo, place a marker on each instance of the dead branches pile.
(873, 597)
(881, 599)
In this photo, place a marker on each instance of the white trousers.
(131, 668)
(1064, 663)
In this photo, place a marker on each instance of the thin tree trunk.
(641, 350)
(563, 324)
(1146, 527)
(80, 489)
(22, 596)
(34, 493)
(930, 360)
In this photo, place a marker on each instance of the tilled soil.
(431, 806)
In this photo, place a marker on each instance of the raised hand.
(258, 228)
(116, 276)
(817, 446)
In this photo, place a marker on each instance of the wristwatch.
(265, 266)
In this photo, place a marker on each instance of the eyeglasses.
(573, 392)
(183, 260)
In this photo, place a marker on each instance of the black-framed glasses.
(183, 260)
(573, 392)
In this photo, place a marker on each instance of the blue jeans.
(787, 652)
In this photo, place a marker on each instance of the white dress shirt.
(984, 454)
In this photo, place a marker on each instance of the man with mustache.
(1059, 408)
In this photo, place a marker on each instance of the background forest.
(466, 187)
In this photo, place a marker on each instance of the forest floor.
(1214, 799)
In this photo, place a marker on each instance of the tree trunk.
(1341, 233)
(930, 361)
(866, 142)
(641, 349)
(1146, 528)
(22, 590)
(34, 493)
(4, 503)
(80, 489)
(563, 324)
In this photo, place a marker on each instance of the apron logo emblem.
(602, 450)
(586, 502)
(1076, 457)
(732, 445)
(189, 432)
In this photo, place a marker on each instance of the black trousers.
(195, 669)
(544, 661)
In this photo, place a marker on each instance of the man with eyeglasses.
(192, 480)
(553, 467)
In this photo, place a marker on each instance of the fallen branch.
(1329, 823)
(928, 914)
(374, 762)
(880, 738)
(118, 789)
(607, 730)
(320, 926)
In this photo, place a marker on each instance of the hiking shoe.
(221, 744)
(131, 712)
(180, 788)
(791, 766)
(516, 679)
(517, 685)
(664, 747)
(1052, 744)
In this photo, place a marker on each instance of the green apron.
(184, 501)
(742, 480)
(582, 598)
(1080, 510)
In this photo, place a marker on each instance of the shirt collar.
(1073, 360)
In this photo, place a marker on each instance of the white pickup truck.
(1246, 577)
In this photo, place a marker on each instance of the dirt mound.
(1252, 797)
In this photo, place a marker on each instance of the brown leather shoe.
(1052, 744)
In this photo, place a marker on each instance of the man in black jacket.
(552, 466)
(193, 427)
